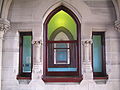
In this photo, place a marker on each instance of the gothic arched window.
(62, 47)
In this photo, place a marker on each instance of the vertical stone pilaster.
(87, 62)
(36, 60)
(4, 26)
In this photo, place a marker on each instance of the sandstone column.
(87, 62)
(4, 26)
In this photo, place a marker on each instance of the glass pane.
(26, 53)
(61, 45)
(62, 69)
(97, 53)
(61, 55)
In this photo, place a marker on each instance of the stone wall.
(29, 15)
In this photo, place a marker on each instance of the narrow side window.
(25, 55)
(99, 59)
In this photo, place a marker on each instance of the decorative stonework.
(87, 63)
(117, 25)
(87, 42)
(4, 25)
(36, 59)
(87, 50)
(36, 42)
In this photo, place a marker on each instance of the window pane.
(61, 45)
(62, 69)
(26, 53)
(61, 55)
(97, 53)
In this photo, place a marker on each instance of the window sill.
(101, 80)
(61, 79)
(23, 80)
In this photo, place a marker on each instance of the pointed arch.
(117, 9)
(5, 8)
(62, 7)
(61, 29)
(67, 5)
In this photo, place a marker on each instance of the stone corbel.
(4, 25)
(117, 25)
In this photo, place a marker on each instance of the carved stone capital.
(36, 42)
(4, 25)
(87, 42)
(117, 25)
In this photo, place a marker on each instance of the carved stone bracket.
(4, 25)
(117, 25)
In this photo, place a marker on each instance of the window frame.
(66, 49)
(46, 77)
(100, 75)
(21, 74)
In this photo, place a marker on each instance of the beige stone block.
(9, 58)
(114, 72)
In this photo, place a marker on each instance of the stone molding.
(117, 25)
(4, 25)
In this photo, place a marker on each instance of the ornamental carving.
(87, 42)
(36, 42)
(117, 25)
(4, 25)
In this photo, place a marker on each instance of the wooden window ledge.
(23, 80)
(101, 80)
(61, 79)
(21, 77)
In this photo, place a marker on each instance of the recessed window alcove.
(62, 40)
